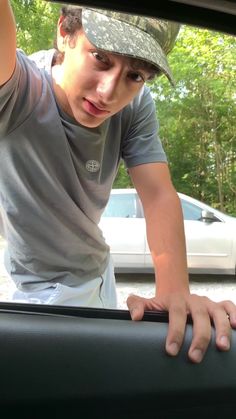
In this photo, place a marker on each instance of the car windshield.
(191, 211)
(122, 205)
(196, 117)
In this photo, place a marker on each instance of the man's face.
(92, 85)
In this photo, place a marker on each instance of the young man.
(67, 117)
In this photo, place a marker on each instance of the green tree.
(36, 24)
(123, 179)
(198, 116)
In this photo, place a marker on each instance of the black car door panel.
(74, 359)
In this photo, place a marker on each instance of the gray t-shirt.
(56, 176)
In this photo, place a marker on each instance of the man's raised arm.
(7, 41)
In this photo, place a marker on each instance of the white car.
(210, 235)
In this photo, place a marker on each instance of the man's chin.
(89, 121)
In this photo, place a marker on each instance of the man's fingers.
(223, 315)
(201, 327)
(202, 310)
(230, 309)
(176, 330)
(201, 332)
(136, 307)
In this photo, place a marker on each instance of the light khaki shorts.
(98, 292)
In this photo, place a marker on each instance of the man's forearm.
(7, 41)
(165, 230)
(165, 233)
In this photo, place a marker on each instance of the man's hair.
(72, 23)
(72, 19)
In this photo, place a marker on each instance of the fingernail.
(197, 355)
(225, 342)
(173, 348)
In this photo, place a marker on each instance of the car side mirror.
(208, 216)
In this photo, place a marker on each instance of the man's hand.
(202, 311)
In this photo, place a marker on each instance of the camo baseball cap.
(140, 37)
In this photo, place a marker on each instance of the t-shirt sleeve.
(141, 143)
(20, 94)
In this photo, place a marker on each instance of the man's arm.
(164, 221)
(7, 42)
(165, 234)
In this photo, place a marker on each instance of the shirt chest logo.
(92, 166)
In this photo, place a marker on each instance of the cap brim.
(119, 37)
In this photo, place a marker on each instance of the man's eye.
(139, 78)
(100, 57)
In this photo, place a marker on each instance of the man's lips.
(94, 109)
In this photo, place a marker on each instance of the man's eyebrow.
(139, 65)
(134, 64)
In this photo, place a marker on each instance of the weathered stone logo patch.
(92, 166)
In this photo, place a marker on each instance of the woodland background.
(197, 117)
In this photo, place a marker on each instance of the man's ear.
(61, 35)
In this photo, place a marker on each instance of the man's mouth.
(94, 109)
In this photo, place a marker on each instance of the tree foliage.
(36, 24)
(198, 116)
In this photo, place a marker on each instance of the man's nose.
(108, 86)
